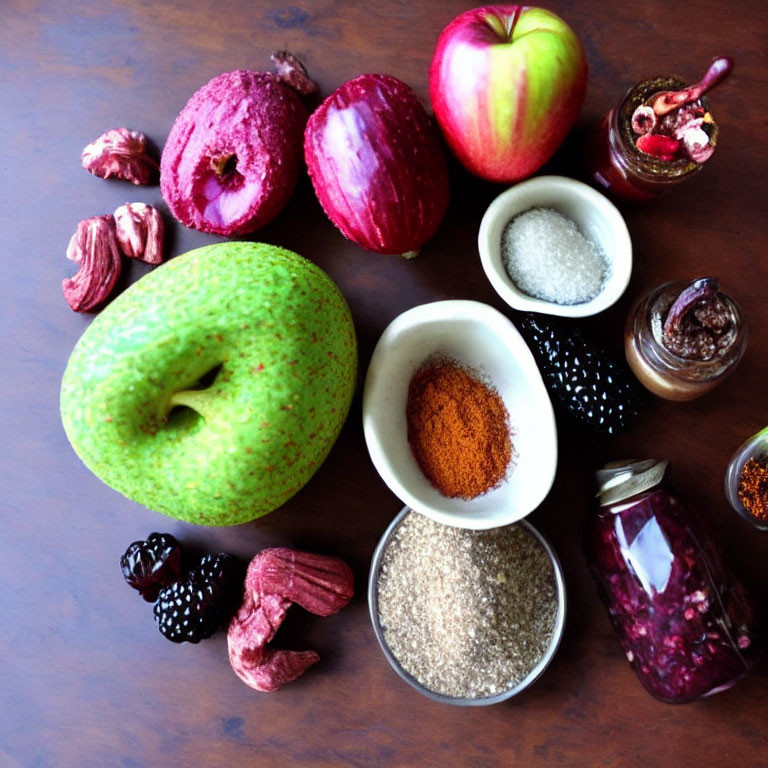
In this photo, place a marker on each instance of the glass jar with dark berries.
(614, 160)
(686, 624)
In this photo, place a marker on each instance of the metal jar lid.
(620, 480)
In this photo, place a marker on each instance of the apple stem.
(666, 101)
(410, 254)
(291, 72)
(195, 399)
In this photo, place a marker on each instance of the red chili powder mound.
(753, 488)
(458, 430)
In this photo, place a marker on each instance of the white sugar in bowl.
(595, 217)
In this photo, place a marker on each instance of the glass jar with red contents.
(687, 626)
(613, 159)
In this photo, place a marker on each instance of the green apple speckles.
(214, 387)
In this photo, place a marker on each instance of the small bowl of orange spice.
(456, 417)
(746, 480)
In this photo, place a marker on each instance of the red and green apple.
(507, 83)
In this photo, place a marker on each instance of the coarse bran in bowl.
(469, 618)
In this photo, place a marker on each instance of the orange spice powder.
(458, 430)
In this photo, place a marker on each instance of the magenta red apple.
(233, 156)
(507, 83)
(377, 166)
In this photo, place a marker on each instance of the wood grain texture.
(85, 678)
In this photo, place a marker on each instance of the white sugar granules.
(467, 613)
(546, 256)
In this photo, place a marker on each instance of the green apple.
(214, 387)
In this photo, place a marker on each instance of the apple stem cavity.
(224, 164)
(503, 25)
(197, 397)
(666, 101)
(194, 399)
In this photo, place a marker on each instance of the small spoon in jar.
(666, 101)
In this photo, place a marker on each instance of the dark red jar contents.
(686, 625)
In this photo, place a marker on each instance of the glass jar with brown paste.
(682, 339)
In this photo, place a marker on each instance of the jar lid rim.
(619, 480)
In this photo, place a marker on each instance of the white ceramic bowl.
(529, 679)
(596, 217)
(484, 340)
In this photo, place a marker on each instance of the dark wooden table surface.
(85, 677)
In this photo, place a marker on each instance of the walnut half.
(95, 248)
(140, 231)
(123, 154)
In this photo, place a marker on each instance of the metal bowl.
(528, 680)
(756, 446)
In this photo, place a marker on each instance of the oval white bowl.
(481, 338)
(594, 214)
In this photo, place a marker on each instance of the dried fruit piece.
(140, 232)
(643, 120)
(681, 127)
(276, 578)
(703, 288)
(95, 248)
(149, 565)
(696, 144)
(121, 153)
(661, 147)
(320, 584)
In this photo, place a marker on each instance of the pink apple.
(507, 83)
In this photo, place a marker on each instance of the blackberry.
(581, 378)
(149, 565)
(220, 568)
(194, 608)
